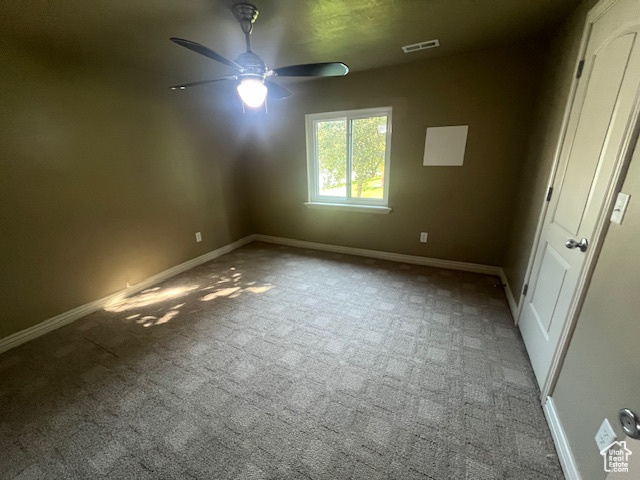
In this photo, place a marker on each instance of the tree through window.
(349, 156)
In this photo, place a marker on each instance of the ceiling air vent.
(421, 46)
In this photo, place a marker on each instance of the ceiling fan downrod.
(246, 14)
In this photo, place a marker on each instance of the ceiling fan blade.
(276, 92)
(207, 52)
(332, 69)
(202, 82)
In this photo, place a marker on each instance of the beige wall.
(104, 180)
(601, 372)
(558, 74)
(105, 176)
(466, 210)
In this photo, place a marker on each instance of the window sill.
(346, 207)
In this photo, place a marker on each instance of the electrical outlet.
(605, 436)
(198, 237)
(423, 237)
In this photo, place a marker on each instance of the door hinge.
(525, 289)
(549, 193)
(580, 68)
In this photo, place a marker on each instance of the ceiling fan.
(251, 72)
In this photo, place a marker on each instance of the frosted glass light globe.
(252, 92)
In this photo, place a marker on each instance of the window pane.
(332, 157)
(369, 144)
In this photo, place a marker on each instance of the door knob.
(630, 423)
(582, 244)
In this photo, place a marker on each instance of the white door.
(598, 127)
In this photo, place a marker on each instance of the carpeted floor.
(274, 362)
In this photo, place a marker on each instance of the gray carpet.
(274, 362)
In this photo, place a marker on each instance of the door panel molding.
(555, 266)
(599, 74)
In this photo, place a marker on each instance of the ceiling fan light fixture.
(251, 71)
(252, 92)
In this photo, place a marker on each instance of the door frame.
(602, 223)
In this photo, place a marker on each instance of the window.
(348, 159)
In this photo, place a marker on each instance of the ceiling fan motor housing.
(251, 64)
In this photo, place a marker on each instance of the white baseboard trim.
(402, 258)
(511, 301)
(567, 460)
(392, 257)
(65, 318)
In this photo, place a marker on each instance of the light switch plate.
(605, 436)
(620, 207)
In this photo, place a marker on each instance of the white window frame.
(370, 205)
